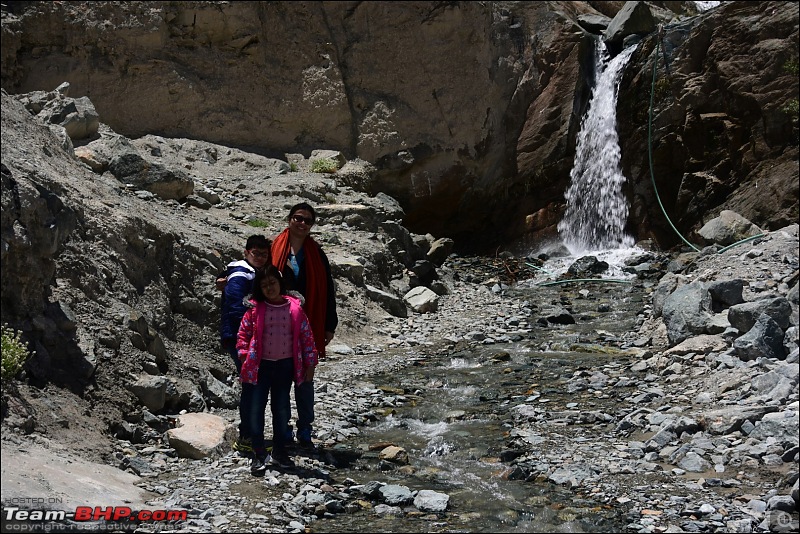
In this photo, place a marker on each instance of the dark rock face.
(469, 111)
(725, 123)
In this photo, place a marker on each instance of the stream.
(455, 423)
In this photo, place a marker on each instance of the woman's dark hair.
(269, 270)
(303, 206)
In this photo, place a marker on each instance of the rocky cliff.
(724, 120)
(468, 110)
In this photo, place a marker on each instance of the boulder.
(687, 311)
(744, 316)
(431, 501)
(347, 267)
(634, 18)
(728, 228)
(439, 250)
(391, 303)
(219, 394)
(422, 300)
(200, 435)
(151, 391)
(765, 339)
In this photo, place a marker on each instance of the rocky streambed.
(581, 407)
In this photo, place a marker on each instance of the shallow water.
(457, 425)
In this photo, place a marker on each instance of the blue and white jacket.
(239, 284)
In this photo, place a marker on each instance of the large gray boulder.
(687, 311)
(634, 18)
(765, 340)
(728, 228)
(744, 316)
(725, 293)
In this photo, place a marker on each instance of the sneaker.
(258, 465)
(281, 459)
(304, 439)
(307, 446)
(243, 446)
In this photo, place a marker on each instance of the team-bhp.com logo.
(21, 519)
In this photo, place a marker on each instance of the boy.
(236, 285)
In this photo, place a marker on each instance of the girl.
(276, 347)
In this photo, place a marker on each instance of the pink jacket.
(251, 332)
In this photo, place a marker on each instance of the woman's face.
(271, 287)
(300, 223)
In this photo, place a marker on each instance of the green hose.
(745, 240)
(540, 269)
(650, 148)
(650, 158)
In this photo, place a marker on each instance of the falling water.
(596, 207)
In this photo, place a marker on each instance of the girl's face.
(271, 287)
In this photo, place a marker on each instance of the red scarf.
(316, 283)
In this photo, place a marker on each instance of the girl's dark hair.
(269, 270)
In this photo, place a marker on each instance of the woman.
(306, 270)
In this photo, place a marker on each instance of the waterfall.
(596, 207)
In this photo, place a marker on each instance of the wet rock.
(560, 316)
(431, 501)
(394, 494)
(394, 454)
(587, 267)
(572, 475)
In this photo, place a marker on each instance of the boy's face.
(257, 257)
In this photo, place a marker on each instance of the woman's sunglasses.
(301, 219)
